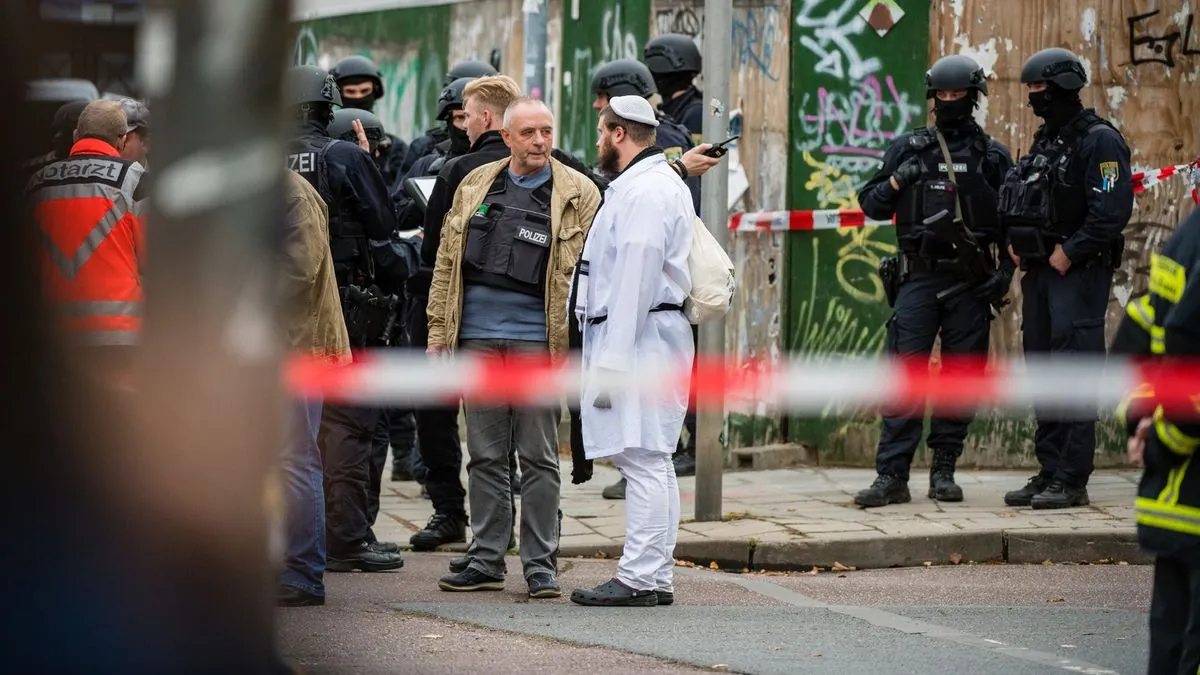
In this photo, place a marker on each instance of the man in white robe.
(632, 282)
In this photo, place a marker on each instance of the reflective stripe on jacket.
(91, 238)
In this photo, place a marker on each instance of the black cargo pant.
(345, 443)
(917, 319)
(437, 430)
(1175, 617)
(1065, 314)
(397, 429)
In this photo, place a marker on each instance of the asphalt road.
(1014, 620)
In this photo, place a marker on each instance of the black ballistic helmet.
(672, 53)
(624, 77)
(471, 69)
(1058, 66)
(358, 68)
(342, 126)
(310, 84)
(452, 97)
(955, 72)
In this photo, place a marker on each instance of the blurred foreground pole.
(714, 207)
(209, 386)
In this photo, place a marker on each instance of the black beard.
(609, 161)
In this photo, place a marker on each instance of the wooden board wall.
(1143, 63)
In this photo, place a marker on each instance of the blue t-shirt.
(490, 313)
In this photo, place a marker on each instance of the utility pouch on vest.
(508, 247)
(530, 249)
(479, 234)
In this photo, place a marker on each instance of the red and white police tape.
(1083, 384)
(832, 219)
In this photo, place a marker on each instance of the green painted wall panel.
(852, 92)
(411, 48)
(603, 30)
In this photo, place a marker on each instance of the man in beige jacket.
(500, 284)
(312, 316)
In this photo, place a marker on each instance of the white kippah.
(634, 109)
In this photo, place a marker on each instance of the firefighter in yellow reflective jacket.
(1164, 324)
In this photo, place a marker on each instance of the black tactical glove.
(908, 173)
(995, 288)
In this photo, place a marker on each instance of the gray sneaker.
(615, 491)
(542, 585)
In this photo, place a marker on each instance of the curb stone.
(1008, 546)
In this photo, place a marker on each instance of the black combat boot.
(442, 528)
(1060, 495)
(1024, 496)
(887, 489)
(941, 477)
(685, 462)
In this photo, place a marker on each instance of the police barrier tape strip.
(1081, 385)
(832, 219)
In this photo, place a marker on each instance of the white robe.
(637, 253)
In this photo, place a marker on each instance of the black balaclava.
(953, 115)
(364, 103)
(1055, 105)
(668, 85)
(460, 143)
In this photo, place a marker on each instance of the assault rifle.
(972, 262)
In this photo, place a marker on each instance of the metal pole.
(714, 195)
(537, 18)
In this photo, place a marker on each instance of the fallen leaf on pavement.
(928, 563)
(1047, 562)
(601, 554)
(815, 571)
(745, 570)
(684, 563)
(956, 558)
(839, 567)
(774, 648)
(720, 666)
(815, 654)
(1123, 563)
(713, 565)
(431, 636)
(1057, 600)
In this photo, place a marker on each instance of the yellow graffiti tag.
(834, 189)
(858, 263)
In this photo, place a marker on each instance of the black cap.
(672, 53)
(955, 72)
(310, 84)
(1058, 66)
(452, 97)
(470, 69)
(342, 126)
(358, 68)
(137, 115)
(624, 77)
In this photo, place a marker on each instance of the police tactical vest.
(307, 158)
(929, 196)
(508, 239)
(1037, 200)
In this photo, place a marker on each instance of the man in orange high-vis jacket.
(87, 206)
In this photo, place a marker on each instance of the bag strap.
(950, 170)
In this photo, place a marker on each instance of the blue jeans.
(305, 493)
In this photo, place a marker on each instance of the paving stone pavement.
(797, 517)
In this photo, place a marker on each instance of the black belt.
(665, 307)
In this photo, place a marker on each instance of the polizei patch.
(533, 237)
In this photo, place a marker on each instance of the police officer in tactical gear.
(449, 110)
(425, 145)
(359, 210)
(675, 62)
(1064, 206)
(361, 85)
(395, 260)
(949, 175)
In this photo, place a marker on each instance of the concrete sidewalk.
(800, 518)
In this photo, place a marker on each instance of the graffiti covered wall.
(757, 163)
(857, 82)
(593, 33)
(409, 45)
(485, 29)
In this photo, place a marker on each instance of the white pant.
(651, 519)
